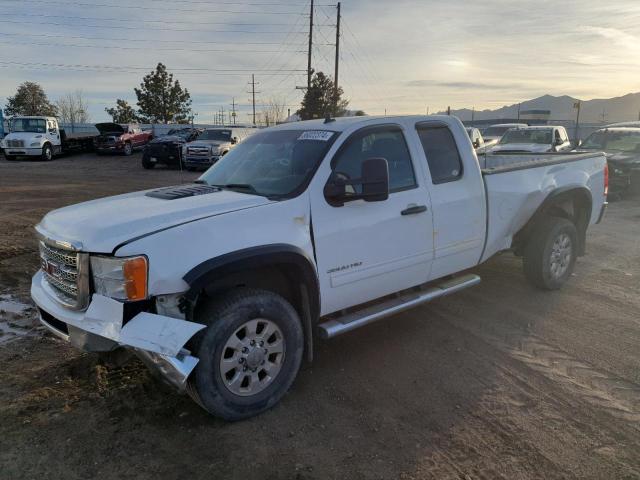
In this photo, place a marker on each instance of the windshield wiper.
(240, 186)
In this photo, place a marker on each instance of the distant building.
(535, 116)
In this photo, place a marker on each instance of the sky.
(398, 57)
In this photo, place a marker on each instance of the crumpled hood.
(101, 225)
(522, 147)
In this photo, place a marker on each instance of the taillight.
(606, 179)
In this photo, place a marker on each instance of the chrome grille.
(204, 151)
(66, 272)
(15, 143)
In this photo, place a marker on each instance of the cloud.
(466, 85)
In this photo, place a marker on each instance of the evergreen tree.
(30, 99)
(122, 113)
(322, 99)
(162, 99)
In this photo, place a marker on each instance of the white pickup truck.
(302, 232)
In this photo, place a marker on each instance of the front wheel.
(550, 255)
(47, 153)
(128, 149)
(249, 354)
(146, 164)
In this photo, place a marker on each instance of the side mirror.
(375, 180)
(234, 140)
(579, 144)
(476, 144)
(374, 183)
(52, 131)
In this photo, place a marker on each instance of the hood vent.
(182, 191)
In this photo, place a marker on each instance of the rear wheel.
(128, 149)
(249, 354)
(550, 255)
(47, 153)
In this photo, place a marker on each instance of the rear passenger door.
(457, 195)
(366, 250)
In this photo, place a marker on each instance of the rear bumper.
(110, 148)
(167, 156)
(602, 212)
(157, 339)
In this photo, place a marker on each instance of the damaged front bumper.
(157, 339)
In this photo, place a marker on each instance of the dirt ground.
(499, 381)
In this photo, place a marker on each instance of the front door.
(366, 250)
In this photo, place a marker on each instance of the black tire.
(127, 150)
(10, 158)
(546, 264)
(225, 317)
(146, 164)
(47, 152)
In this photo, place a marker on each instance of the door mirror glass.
(373, 184)
(52, 131)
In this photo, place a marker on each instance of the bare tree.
(274, 112)
(73, 108)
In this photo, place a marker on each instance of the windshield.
(495, 131)
(35, 125)
(538, 136)
(271, 163)
(612, 140)
(221, 135)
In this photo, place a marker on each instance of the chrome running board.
(409, 299)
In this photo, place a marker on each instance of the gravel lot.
(499, 381)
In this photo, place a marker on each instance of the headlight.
(120, 278)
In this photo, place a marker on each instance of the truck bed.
(499, 163)
(517, 184)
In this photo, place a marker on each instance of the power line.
(119, 39)
(120, 19)
(139, 7)
(137, 28)
(224, 50)
(135, 67)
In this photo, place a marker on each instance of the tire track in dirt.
(601, 388)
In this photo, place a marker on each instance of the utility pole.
(253, 96)
(603, 116)
(233, 110)
(577, 107)
(335, 77)
(310, 49)
(222, 116)
(448, 110)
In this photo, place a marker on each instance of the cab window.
(377, 142)
(442, 153)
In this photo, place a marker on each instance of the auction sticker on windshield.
(318, 135)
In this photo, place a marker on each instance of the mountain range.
(617, 109)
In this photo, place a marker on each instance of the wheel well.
(288, 274)
(574, 205)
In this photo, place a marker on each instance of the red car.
(115, 138)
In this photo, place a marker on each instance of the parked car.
(534, 140)
(116, 138)
(303, 232)
(42, 138)
(167, 149)
(477, 140)
(495, 132)
(211, 145)
(622, 147)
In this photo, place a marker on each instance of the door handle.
(413, 209)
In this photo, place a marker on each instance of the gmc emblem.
(51, 268)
